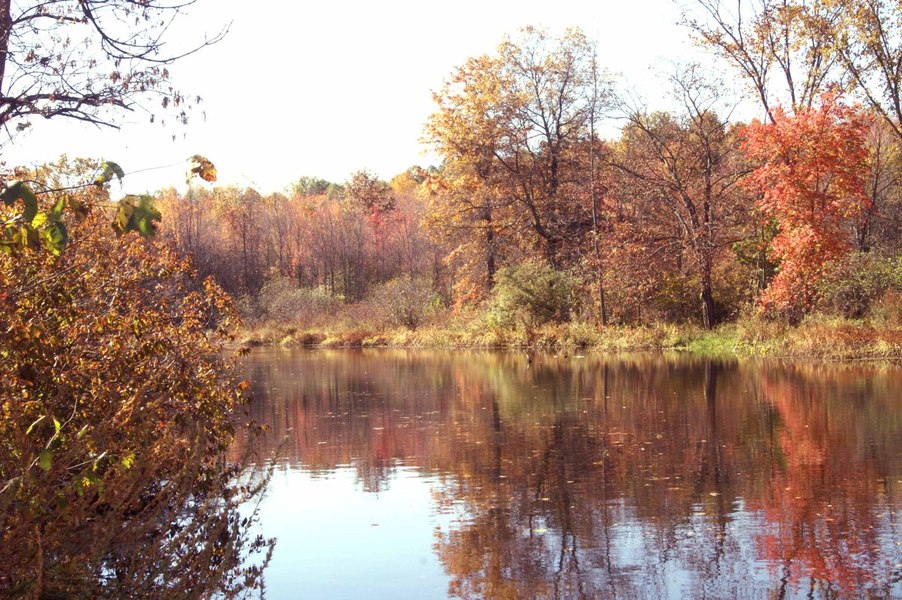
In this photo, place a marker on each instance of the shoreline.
(818, 338)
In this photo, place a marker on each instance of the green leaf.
(109, 170)
(55, 237)
(30, 204)
(81, 432)
(27, 236)
(128, 460)
(20, 191)
(56, 425)
(136, 213)
(45, 459)
(39, 219)
(57, 211)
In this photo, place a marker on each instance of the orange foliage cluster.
(811, 179)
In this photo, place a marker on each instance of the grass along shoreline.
(818, 337)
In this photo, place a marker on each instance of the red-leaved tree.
(810, 178)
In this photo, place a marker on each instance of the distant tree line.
(343, 239)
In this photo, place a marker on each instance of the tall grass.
(369, 324)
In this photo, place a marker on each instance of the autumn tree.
(369, 191)
(342, 242)
(88, 59)
(509, 128)
(116, 410)
(791, 51)
(464, 201)
(409, 247)
(811, 175)
(309, 186)
(241, 213)
(879, 222)
(681, 176)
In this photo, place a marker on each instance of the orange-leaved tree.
(810, 178)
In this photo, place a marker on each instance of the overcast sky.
(326, 88)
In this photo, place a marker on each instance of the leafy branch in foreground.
(29, 227)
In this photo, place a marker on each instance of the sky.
(327, 88)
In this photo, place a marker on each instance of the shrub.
(532, 293)
(855, 282)
(887, 310)
(405, 301)
(676, 299)
(280, 299)
(117, 411)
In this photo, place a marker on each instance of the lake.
(437, 474)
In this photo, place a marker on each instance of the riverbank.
(817, 337)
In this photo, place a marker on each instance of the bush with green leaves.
(858, 280)
(531, 294)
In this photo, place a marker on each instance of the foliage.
(344, 242)
(369, 191)
(855, 282)
(869, 45)
(782, 48)
(280, 299)
(752, 253)
(116, 409)
(532, 293)
(30, 228)
(309, 186)
(675, 299)
(515, 130)
(680, 173)
(810, 176)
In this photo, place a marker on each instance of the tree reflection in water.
(640, 476)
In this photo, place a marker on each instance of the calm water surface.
(423, 474)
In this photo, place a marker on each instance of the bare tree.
(782, 47)
(87, 60)
(870, 48)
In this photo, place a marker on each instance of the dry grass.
(818, 336)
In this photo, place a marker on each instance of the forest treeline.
(532, 217)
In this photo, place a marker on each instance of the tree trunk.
(490, 266)
(707, 302)
(6, 24)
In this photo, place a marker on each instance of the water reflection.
(639, 476)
